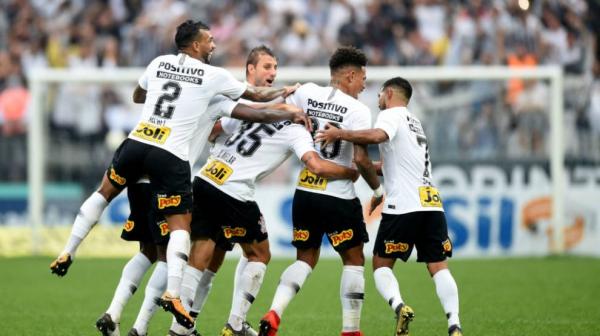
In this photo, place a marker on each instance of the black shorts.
(427, 230)
(169, 175)
(317, 214)
(225, 219)
(144, 224)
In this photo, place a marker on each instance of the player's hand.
(328, 135)
(301, 118)
(375, 201)
(356, 175)
(290, 89)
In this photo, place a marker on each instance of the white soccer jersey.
(325, 104)
(238, 161)
(406, 164)
(179, 89)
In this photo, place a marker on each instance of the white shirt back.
(179, 89)
(325, 104)
(252, 152)
(406, 164)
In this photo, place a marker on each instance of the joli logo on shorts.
(395, 247)
(337, 239)
(234, 232)
(166, 202)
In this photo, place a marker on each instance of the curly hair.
(187, 32)
(347, 56)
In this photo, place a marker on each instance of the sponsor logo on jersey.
(164, 228)
(150, 132)
(234, 232)
(311, 181)
(327, 106)
(115, 177)
(325, 115)
(129, 224)
(217, 171)
(447, 245)
(301, 235)
(337, 239)
(178, 77)
(430, 197)
(395, 247)
(167, 202)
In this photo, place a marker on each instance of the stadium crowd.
(493, 119)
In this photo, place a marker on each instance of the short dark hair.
(187, 32)
(255, 54)
(400, 84)
(347, 56)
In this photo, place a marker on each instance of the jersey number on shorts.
(330, 151)
(172, 90)
(248, 141)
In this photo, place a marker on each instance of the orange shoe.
(174, 306)
(269, 324)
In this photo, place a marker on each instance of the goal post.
(40, 78)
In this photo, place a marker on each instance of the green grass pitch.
(545, 296)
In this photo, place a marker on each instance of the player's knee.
(149, 250)
(435, 267)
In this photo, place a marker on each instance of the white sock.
(178, 252)
(88, 216)
(132, 275)
(154, 289)
(446, 289)
(189, 284)
(352, 294)
(239, 269)
(290, 283)
(202, 291)
(388, 287)
(248, 287)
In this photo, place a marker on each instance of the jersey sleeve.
(300, 140)
(362, 119)
(229, 125)
(296, 97)
(221, 106)
(388, 121)
(228, 86)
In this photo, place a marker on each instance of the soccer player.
(261, 70)
(412, 212)
(152, 233)
(175, 90)
(322, 206)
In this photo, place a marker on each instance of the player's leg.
(205, 284)
(116, 178)
(290, 283)
(347, 233)
(159, 234)
(88, 216)
(307, 236)
(394, 241)
(170, 180)
(154, 289)
(433, 247)
(249, 285)
(131, 277)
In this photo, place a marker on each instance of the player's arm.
(269, 115)
(368, 172)
(139, 95)
(328, 169)
(265, 93)
(378, 167)
(216, 131)
(370, 136)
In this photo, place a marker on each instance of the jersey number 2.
(172, 90)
